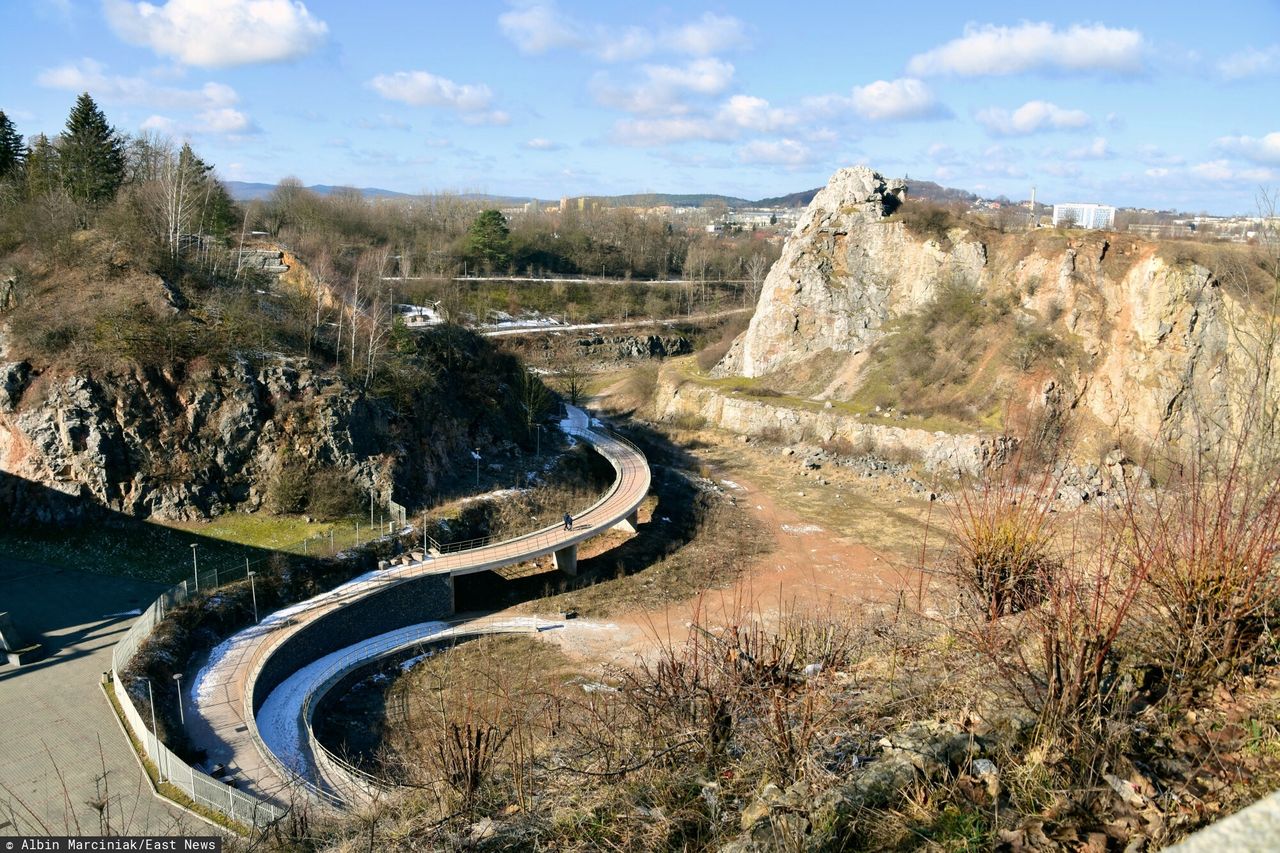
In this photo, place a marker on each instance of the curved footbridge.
(254, 699)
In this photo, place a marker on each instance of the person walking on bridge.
(568, 521)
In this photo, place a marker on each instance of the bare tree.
(757, 269)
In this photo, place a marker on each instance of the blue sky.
(1145, 104)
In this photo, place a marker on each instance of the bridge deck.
(223, 723)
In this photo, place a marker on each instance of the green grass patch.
(861, 405)
(277, 532)
(162, 552)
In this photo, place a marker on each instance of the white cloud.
(222, 121)
(1225, 171)
(87, 75)
(226, 121)
(666, 131)
(752, 113)
(496, 118)
(1032, 117)
(540, 27)
(1264, 149)
(1157, 172)
(159, 124)
(896, 100)
(423, 89)
(622, 46)
(538, 143)
(664, 87)
(1099, 149)
(709, 34)
(221, 34)
(1157, 156)
(989, 50)
(1251, 62)
(781, 152)
(704, 76)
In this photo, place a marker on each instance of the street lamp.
(182, 715)
(253, 591)
(195, 567)
(475, 454)
(155, 732)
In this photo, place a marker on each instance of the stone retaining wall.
(940, 452)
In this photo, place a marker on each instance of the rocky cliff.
(193, 443)
(1149, 327)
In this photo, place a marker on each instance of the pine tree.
(488, 240)
(42, 167)
(91, 154)
(12, 151)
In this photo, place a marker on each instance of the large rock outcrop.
(190, 446)
(844, 271)
(1151, 327)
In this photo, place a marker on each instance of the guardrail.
(520, 547)
(203, 789)
(240, 806)
(341, 774)
(553, 531)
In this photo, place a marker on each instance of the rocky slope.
(191, 444)
(1152, 330)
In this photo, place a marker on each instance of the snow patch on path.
(279, 720)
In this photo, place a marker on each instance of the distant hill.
(253, 191)
(926, 190)
(249, 191)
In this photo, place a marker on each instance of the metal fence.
(350, 782)
(240, 806)
(203, 789)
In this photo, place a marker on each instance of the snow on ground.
(799, 529)
(280, 719)
(225, 657)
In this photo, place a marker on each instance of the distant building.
(1084, 215)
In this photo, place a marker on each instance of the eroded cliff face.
(1153, 333)
(150, 443)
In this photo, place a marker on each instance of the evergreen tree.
(489, 241)
(91, 154)
(12, 151)
(42, 167)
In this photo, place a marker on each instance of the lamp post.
(182, 714)
(253, 591)
(155, 732)
(475, 454)
(195, 566)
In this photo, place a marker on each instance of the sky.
(1144, 104)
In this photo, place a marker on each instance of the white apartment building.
(1084, 215)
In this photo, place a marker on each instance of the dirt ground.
(851, 544)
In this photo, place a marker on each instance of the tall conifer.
(90, 154)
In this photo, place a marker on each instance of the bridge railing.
(240, 806)
(550, 534)
(346, 778)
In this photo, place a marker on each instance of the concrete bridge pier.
(567, 560)
(628, 524)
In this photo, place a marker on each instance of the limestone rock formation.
(844, 271)
(1151, 327)
(150, 443)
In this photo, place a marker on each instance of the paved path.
(56, 729)
(223, 726)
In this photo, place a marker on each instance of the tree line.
(146, 188)
(444, 235)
